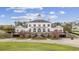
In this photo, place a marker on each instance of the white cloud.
(18, 17)
(26, 17)
(17, 9)
(62, 12)
(22, 9)
(52, 17)
(31, 16)
(34, 15)
(51, 12)
(40, 8)
(2, 16)
(14, 17)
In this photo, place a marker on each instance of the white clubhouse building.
(39, 25)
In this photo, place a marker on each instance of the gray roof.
(41, 21)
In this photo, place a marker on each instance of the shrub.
(5, 35)
(51, 36)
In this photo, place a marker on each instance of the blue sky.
(8, 15)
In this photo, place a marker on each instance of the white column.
(36, 29)
(46, 29)
(41, 29)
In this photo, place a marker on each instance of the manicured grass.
(77, 33)
(24, 46)
(18, 38)
(39, 38)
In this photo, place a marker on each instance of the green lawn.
(18, 38)
(39, 38)
(24, 46)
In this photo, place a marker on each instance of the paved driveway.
(64, 41)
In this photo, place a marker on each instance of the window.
(34, 25)
(29, 25)
(39, 30)
(29, 30)
(34, 30)
(48, 25)
(44, 25)
(39, 25)
(48, 30)
(44, 30)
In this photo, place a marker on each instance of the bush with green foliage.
(68, 27)
(5, 35)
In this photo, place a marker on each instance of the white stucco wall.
(41, 26)
(20, 28)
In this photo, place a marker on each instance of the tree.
(8, 28)
(68, 27)
(18, 23)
